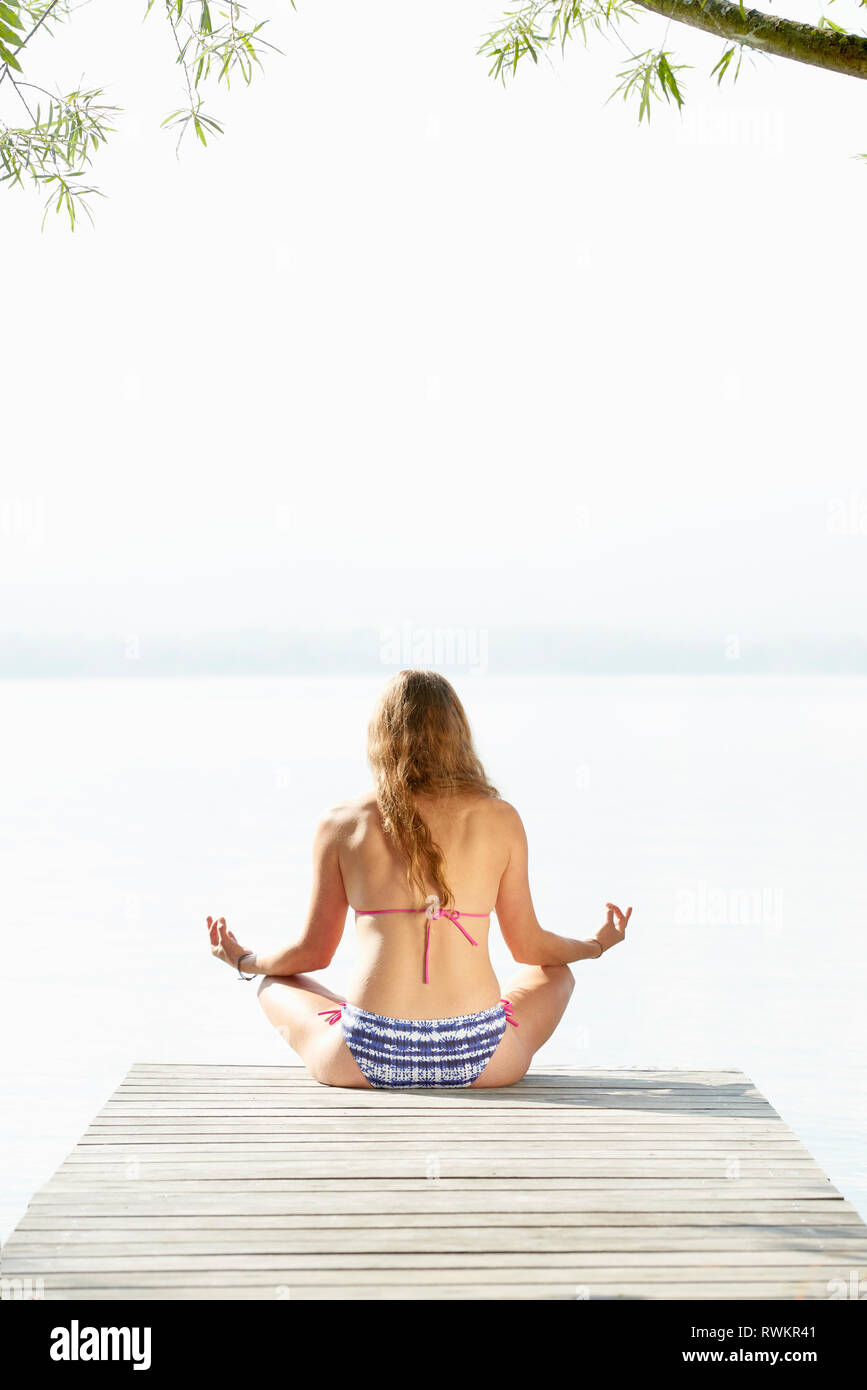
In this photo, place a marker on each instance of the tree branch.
(782, 38)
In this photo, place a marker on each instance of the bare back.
(473, 833)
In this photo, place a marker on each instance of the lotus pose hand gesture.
(613, 929)
(223, 943)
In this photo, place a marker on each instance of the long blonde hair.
(419, 741)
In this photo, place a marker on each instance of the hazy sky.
(406, 345)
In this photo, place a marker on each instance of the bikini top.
(432, 912)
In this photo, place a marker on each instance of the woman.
(424, 1007)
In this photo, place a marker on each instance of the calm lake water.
(728, 811)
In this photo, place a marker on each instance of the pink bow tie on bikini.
(433, 912)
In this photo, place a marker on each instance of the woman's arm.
(522, 932)
(326, 917)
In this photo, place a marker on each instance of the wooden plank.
(537, 1160)
(609, 1135)
(430, 1198)
(694, 1290)
(488, 1099)
(219, 1192)
(799, 1216)
(541, 1076)
(318, 1268)
(535, 1086)
(707, 1244)
(638, 1183)
(423, 1096)
(220, 1148)
(228, 1152)
(532, 1114)
(468, 1276)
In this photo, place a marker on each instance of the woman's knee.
(561, 977)
(269, 988)
(568, 980)
(276, 1004)
(265, 997)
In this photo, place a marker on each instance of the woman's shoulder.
(358, 814)
(489, 815)
(500, 813)
(349, 816)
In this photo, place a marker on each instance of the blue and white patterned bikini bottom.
(425, 1051)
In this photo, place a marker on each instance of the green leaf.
(668, 80)
(9, 58)
(722, 66)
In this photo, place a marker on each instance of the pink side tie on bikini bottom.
(333, 1015)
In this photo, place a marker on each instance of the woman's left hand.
(613, 929)
(223, 943)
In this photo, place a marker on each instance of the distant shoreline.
(470, 651)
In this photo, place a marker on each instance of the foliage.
(533, 27)
(212, 40)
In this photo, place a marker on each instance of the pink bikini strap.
(433, 912)
(443, 912)
(333, 1015)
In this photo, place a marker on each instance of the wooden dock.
(235, 1182)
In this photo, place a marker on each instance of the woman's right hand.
(613, 929)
